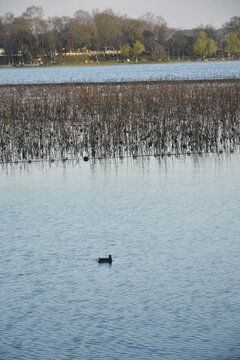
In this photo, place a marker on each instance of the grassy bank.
(63, 121)
(79, 61)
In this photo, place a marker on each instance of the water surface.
(172, 227)
(122, 72)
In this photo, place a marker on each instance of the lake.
(173, 289)
(122, 72)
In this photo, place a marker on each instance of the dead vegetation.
(53, 122)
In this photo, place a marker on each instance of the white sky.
(177, 13)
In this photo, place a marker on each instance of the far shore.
(95, 63)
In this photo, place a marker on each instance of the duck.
(105, 260)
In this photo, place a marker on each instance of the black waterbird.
(105, 260)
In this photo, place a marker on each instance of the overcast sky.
(177, 13)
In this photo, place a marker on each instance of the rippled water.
(126, 72)
(173, 290)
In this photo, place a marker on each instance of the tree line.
(30, 36)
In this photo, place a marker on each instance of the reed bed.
(63, 121)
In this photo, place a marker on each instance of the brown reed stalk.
(108, 120)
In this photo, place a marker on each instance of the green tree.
(138, 48)
(232, 43)
(125, 51)
(200, 45)
(211, 48)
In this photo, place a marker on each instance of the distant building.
(111, 51)
(84, 51)
(2, 52)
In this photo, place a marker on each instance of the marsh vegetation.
(63, 121)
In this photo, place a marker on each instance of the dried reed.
(115, 120)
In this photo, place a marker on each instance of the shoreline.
(100, 63)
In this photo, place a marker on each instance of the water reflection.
(116, 163)
(172, 227)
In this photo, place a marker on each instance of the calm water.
(190, 70)
(173, 290)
